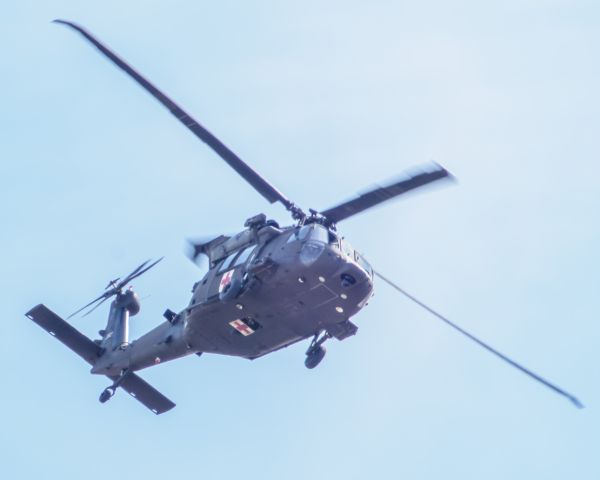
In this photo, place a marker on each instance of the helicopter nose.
(355, 287)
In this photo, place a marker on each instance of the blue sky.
(324, 99)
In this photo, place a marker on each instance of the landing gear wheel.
(106, 395)
(314, 357)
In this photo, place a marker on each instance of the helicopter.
(267, 287)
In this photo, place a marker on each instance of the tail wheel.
(106, 395)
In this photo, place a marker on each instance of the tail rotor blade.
(490, 349)
(138, 271)
(132, 274)
(116, 287)
(96, 306)
(100, 299)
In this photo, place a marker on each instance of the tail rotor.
(115, 287)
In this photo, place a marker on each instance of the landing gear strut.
(108, 392)
(316, 351)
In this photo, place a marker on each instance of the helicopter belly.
(292, 303)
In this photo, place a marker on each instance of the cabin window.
(227, 262)
(242, 257)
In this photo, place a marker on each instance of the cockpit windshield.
(313, 232)
(319, 233)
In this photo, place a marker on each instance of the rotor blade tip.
(449, 175)
(574, 400)
(69, 24)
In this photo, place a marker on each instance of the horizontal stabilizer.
(145, 393)
(66, 333)
(89, 351)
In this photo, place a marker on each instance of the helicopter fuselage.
(267, 288)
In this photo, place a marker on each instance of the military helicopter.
(266, 288)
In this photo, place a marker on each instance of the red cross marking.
(241, 327)
(244, 328)
(225, 280)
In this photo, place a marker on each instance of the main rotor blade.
(526, 371)
(247, 173)
(383, 194)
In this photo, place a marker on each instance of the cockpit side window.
(319, 234)
(363, 263)
(347, 249)
(333, 239)
(293, 237)
(299, 233)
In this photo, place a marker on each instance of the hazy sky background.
(324, 99)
